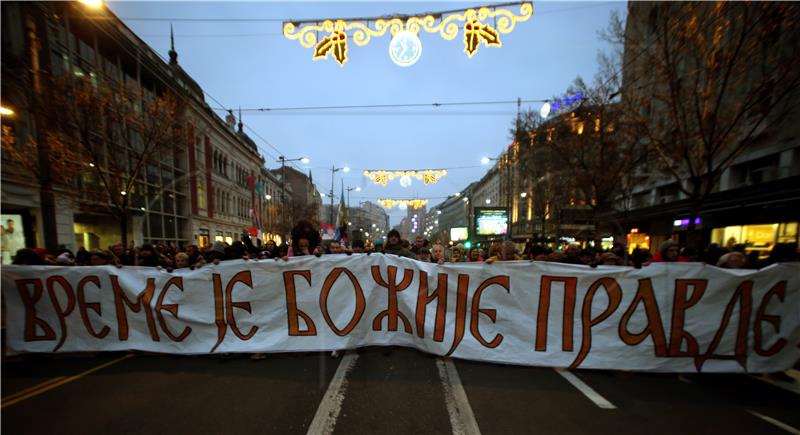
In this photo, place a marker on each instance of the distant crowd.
(306, 240)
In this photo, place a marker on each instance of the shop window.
(218, 237)
(787, 232)
(203, 239)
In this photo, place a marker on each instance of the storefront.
(757, 237)
(637, 239)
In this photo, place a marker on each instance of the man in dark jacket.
(395, 246)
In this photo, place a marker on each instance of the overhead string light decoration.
(410, 203)
(427, 176)
(476, 27)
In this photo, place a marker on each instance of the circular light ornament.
(545, 110)
(405, 48)
(405, 181)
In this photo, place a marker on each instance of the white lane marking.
(794, 387)
(771, 420)
(587, 391)
(328, 411)
(462, 420)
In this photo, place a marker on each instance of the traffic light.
(467, 244)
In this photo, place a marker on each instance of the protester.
(419, 243)
(358, 247)
(508, 252)
(98, 257)
(270, 249)
(610, 259)
(475, 255)
(732, 260)
(182, 261)
(457, 254)
(335, 247)
(437, 254)
(394, 245)
(424, 255)
(122, 255)
(668, 252)
(28, 257)
(305, 240)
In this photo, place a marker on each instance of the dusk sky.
(249, 64)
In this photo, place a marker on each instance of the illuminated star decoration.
(411, 203)
(445, 24)
(427, 176)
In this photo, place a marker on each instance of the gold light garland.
(411, 203)
(427, 176)
(475, 30)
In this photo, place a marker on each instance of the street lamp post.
(282, 160)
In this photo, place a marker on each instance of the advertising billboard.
(458, 234)
(491, 221)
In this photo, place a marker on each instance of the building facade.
(755, 201)
(201, 186)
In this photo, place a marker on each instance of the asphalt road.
(374, 392)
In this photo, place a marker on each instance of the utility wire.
(384, 106)
(319, 20)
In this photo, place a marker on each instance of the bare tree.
(103, 133)
(712, 80)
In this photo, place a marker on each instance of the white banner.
(678, 317)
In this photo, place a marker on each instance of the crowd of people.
(306, 240)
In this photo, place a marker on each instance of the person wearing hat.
(668, 252)
(394, 245)
(732, 260)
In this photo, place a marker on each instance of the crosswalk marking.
(587, 391)
(462, 420)
(328, 411)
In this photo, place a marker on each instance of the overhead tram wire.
(386, 106)
(319, 20)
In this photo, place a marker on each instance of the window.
(201, 194)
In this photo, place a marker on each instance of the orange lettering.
(679, 307)
(744, 296)
(95, 306)
(778, 290)
(245, 278)
(30, 301)
(219, 311)
(544, 310)
(391, 312)
(62, 313)
(142, 301)
(291, 305)
(611, 287)
(461, 312)
(177, 281)
(654, 328)
(360, 301)
(423, 299)
(502, 281)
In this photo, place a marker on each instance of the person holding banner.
(395, 246)
(508, 252)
